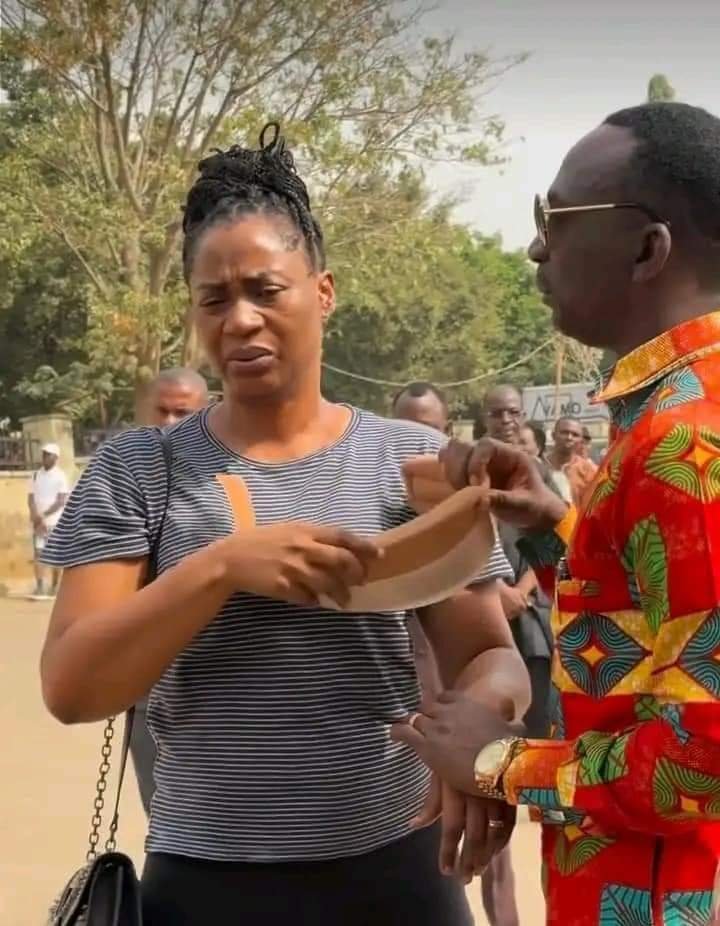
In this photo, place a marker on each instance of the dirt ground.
(47, 775)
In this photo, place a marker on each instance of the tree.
(458, 307)
(126, 96)
(660, 90)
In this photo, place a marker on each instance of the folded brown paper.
(428, 559)
(424, 561)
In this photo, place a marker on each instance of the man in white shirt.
(47, 494)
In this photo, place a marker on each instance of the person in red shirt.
(628, 788)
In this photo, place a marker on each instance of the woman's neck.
(277, 431)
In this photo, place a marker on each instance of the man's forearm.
(544, 549)
(56, 506)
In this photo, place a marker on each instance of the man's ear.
(653, 252)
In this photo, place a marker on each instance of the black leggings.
(397, 885)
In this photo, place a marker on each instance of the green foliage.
(109, 107)
(660, 90)
(435, 303)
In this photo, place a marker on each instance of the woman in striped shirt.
(279, 794)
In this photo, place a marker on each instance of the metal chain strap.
(99, 802)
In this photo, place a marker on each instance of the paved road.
(47, 775)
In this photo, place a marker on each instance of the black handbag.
(106, 890)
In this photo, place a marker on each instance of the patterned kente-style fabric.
(629, 790)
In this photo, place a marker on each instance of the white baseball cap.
(51, 448)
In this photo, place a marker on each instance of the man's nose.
(537, 251)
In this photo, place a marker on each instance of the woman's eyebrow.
(212, 287)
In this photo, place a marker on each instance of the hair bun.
(278, 140)
(271, 168)
(253, 179)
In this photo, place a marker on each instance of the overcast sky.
(587, 60)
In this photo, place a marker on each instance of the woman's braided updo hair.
(243, 181)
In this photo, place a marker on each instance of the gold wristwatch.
(492, 762)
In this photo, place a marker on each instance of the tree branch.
(101, 148)
(173, 123)
(134, 73)
(120, 150)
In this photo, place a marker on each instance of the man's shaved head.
(424, 403)
(503, 413)
(174, 394)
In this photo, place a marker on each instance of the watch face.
(490, 758)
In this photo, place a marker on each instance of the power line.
(461, 382)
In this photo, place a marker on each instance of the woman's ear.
(326, 293)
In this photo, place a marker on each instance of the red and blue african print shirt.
(629, 789)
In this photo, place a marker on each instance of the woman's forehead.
(249, 244)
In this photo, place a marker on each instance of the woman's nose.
(244, 316)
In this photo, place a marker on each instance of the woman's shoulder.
(146, 443)
(407, 438)
(139, 455)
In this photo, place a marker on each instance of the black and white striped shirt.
(272, 725)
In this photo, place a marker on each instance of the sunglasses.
(543, 210)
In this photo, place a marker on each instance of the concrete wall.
(16, 571)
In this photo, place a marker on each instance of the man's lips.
(542, 286)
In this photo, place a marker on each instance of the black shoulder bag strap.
(151, 575)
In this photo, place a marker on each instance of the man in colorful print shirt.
(628, 255)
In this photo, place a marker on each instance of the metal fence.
(19, 453)
(88, 440)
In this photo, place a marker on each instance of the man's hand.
(516, 491)
(450, 734)
(466, 819)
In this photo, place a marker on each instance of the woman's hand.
(513, 601)
(297, 562)
(450, 733)
(466, 820)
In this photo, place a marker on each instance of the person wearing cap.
(47, 495)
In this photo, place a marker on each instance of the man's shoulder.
(686, 399)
